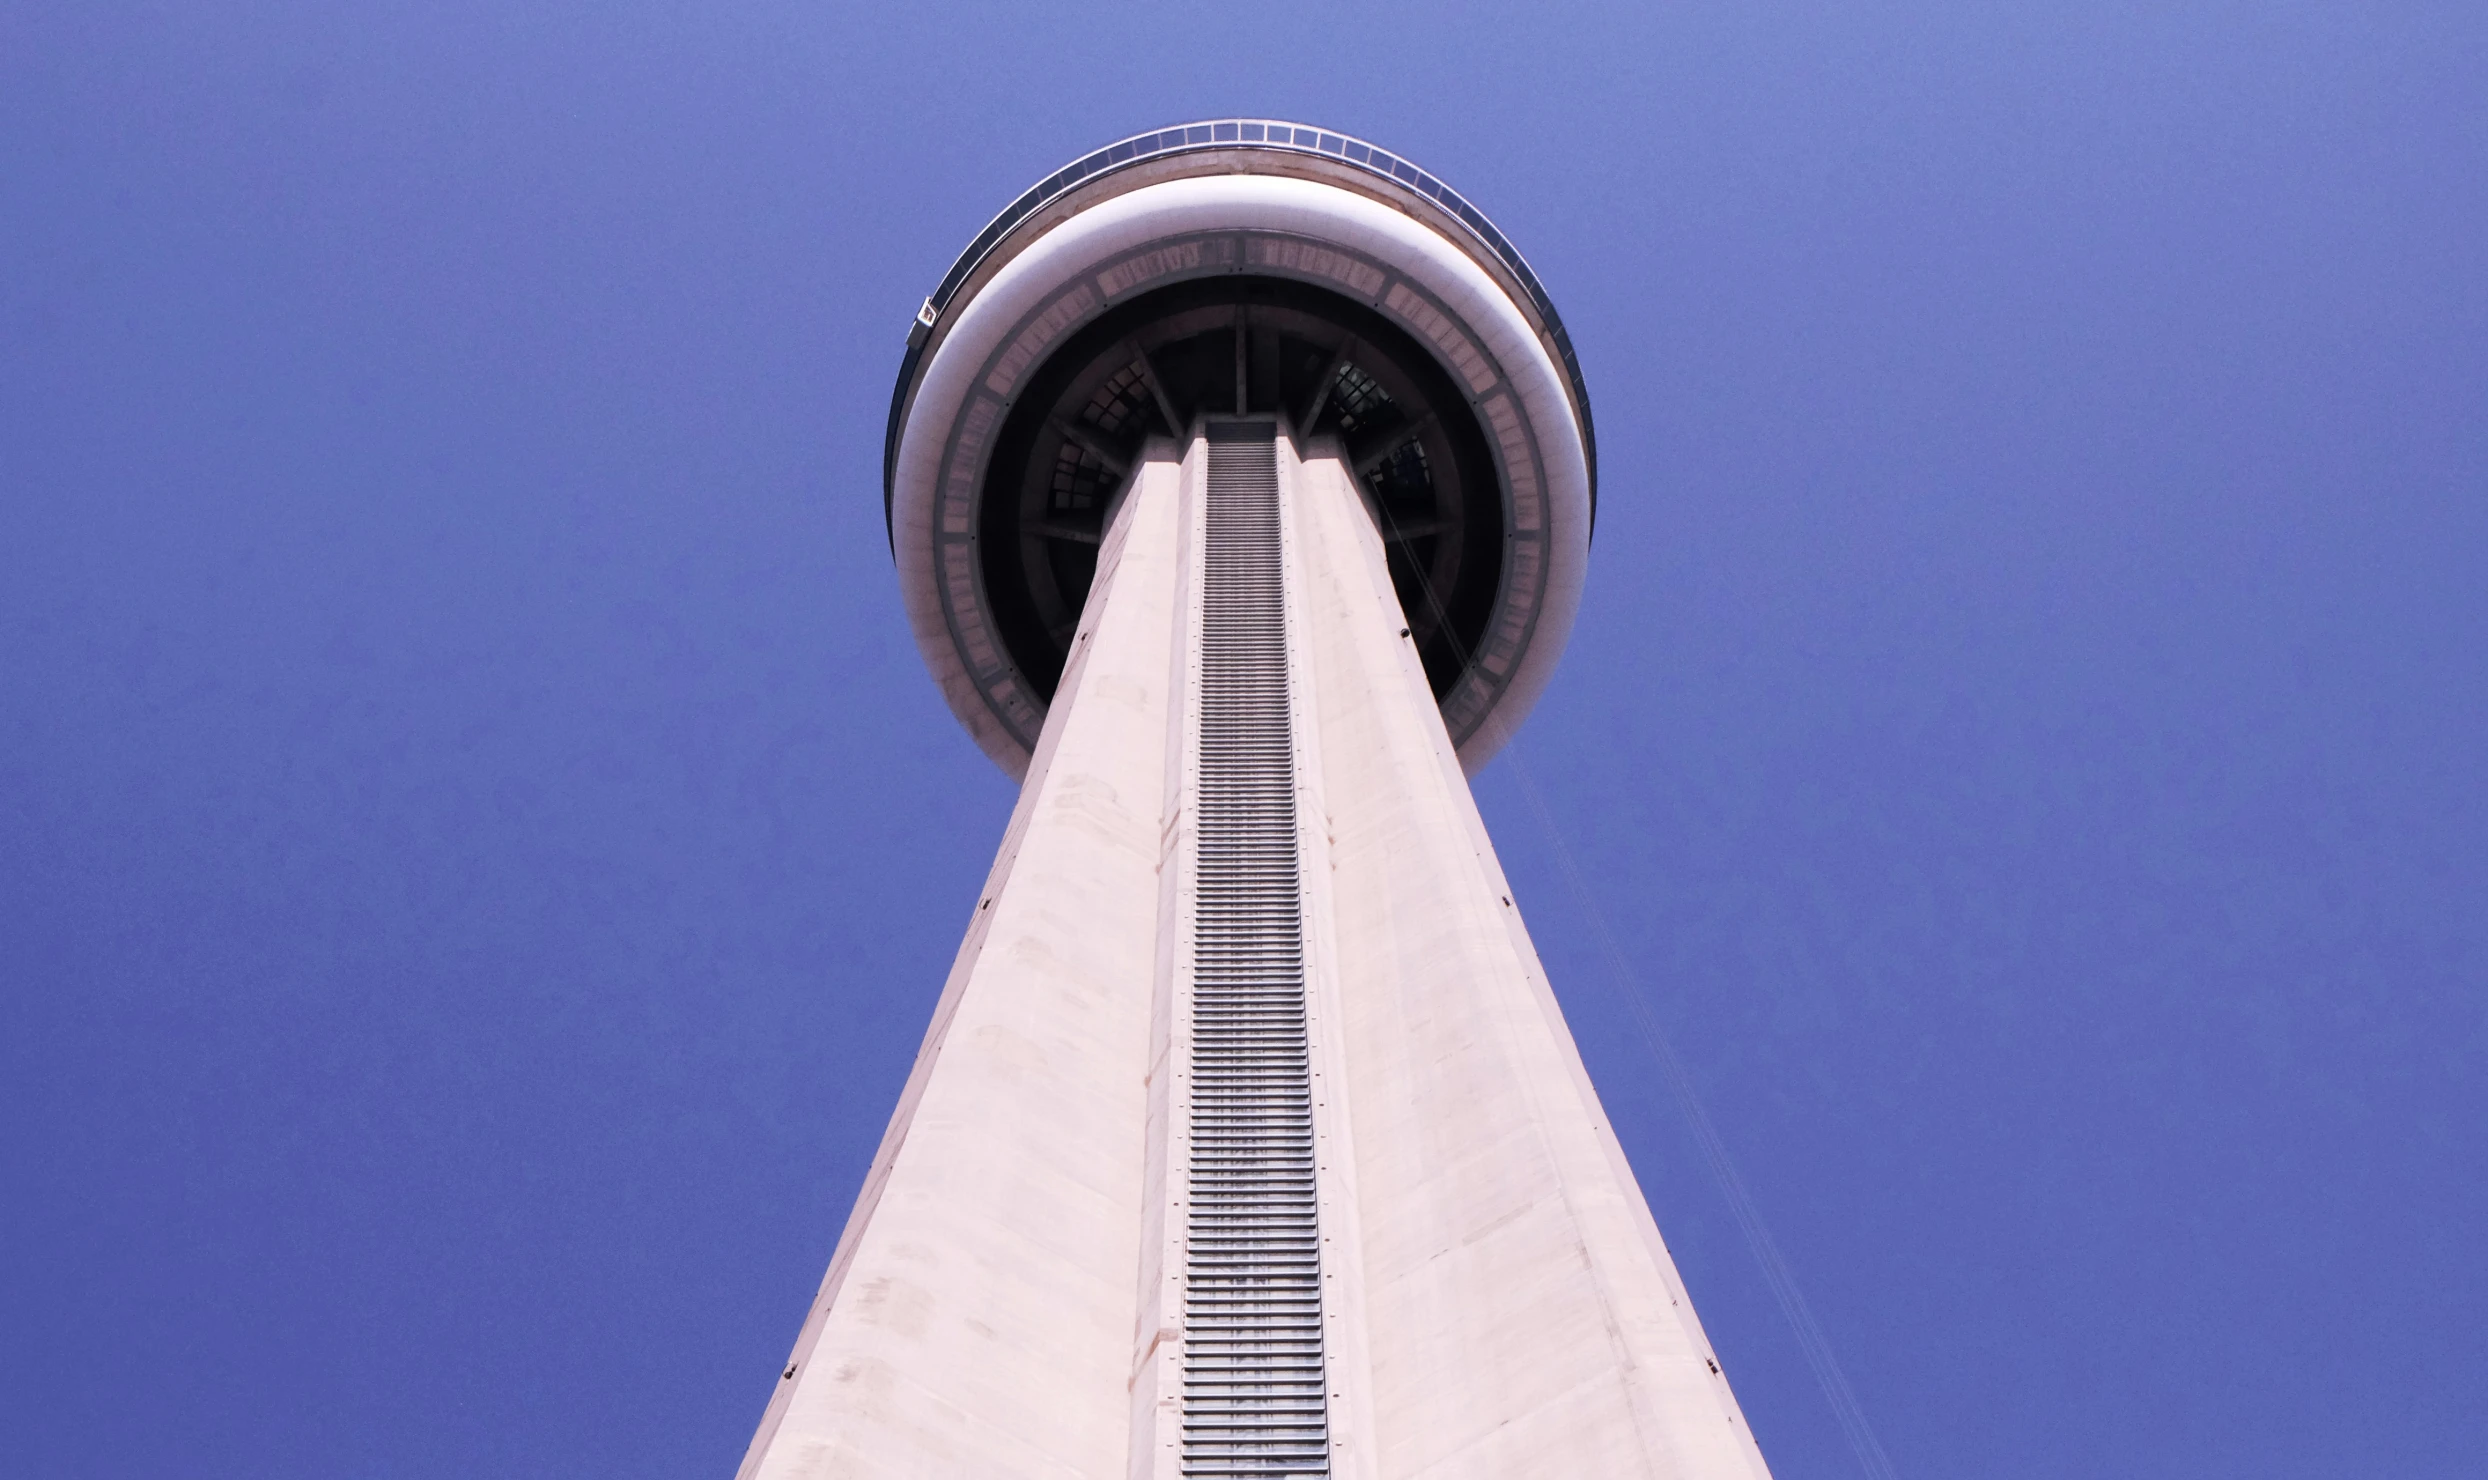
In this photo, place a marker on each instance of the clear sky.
(478, 849)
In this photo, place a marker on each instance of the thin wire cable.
(1775, 1272)
(1811, 1341)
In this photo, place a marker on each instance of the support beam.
(1323, 387)
(1094, 445)
(1175, 426)
(1365, 453)
(1242, 326)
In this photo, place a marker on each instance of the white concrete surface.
(977, 1317)
(1522, 1314)
(1007, 1299)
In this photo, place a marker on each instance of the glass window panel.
(1222, 132)
(1331, 143)
(1252, 132)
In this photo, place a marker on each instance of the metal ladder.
(1253, 1401)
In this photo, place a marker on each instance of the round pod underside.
(1213, 282)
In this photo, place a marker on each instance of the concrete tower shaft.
(1248, 1139)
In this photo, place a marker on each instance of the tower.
(1240, 479)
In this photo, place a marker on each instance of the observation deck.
(1255, 267)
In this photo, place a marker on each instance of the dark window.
(1118, 401)
(1402, 482)
(1359, 401)
(1080, 480)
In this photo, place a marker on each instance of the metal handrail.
(1234, 133)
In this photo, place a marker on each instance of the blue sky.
(477, 849)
